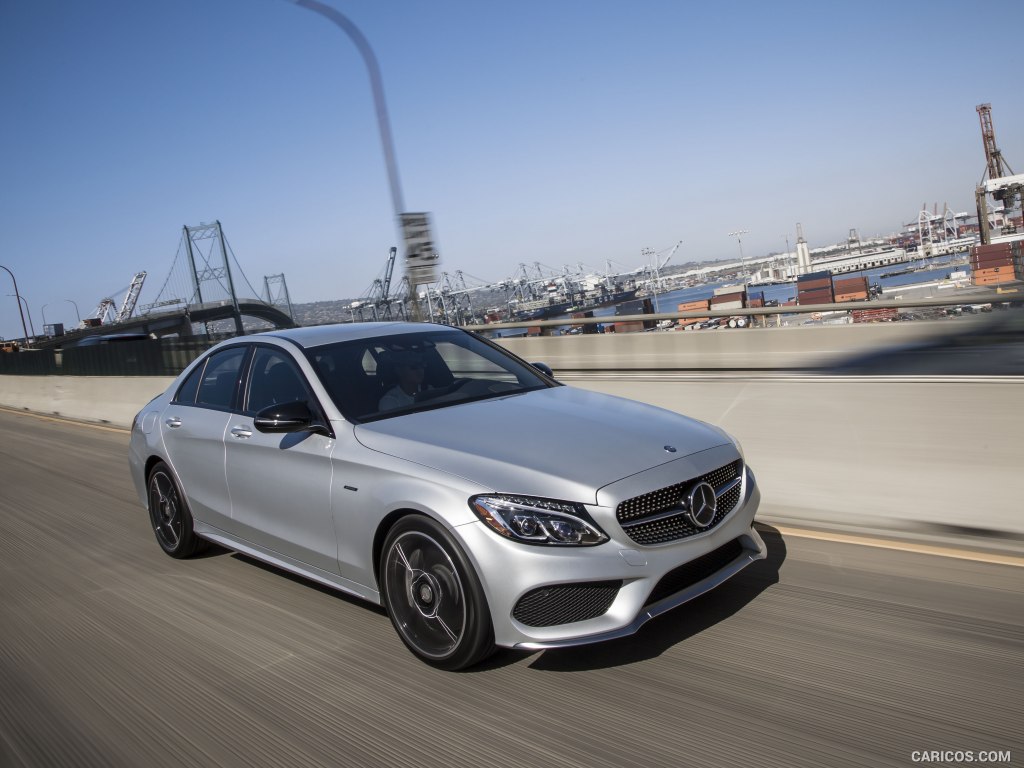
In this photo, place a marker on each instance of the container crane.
(1002, 183)
(131, 298)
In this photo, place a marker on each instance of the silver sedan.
(424, 468)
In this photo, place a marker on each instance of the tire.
(170, 516)
(433, 595)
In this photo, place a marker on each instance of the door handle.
(173, 422)
(242, 432)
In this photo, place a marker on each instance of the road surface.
(826, 654)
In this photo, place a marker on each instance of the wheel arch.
(151, 462)
(381, 534)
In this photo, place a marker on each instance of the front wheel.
(170, 516)
(433, 596)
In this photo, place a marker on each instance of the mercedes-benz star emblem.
(702, 505)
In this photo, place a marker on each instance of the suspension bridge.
(205, 292)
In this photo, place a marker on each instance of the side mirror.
(544, 368)
(287, 417)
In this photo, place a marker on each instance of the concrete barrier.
(106, 399)
(935, 455)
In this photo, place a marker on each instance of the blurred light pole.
(77, 313)
(738, 234)
(43, 310)
(383, 124)
(376, 84)
(31, 325)
(24, 330)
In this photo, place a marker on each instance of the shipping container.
(849, 284)
(631, 326)
(635, 307)
(727, 305)
(978, 250)
(823, 275)
(1009, 277)
(813, 285)
(993, 271)
(693, 306)
(728, 298)
(854, 296)
(723, 290)
(983, 258)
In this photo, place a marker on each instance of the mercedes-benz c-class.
(480, 501)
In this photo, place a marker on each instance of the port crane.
(131, 298)
(105, 311)
(1002, 183)
(379, 298)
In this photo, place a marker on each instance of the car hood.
(559, 443)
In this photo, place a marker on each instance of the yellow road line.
(903, 546)
(60, 420)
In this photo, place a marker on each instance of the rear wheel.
(170, 516)
(433, 595)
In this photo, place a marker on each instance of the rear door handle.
(241, 432)
(173, 422)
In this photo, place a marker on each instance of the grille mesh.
(677, 526)
(690, 573)
(565, 603)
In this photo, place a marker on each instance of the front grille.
(565, 603)
(690, 573)
(658, 517)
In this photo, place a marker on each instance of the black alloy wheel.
(433, 596)
(170, 516)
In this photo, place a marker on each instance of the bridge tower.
(207, 242)
(275, 291)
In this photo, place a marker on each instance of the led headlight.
(538, 521)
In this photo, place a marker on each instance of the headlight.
(538, 521)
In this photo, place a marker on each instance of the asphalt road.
(112, 654)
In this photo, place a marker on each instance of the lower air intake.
(565, 603)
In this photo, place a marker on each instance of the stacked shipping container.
(814, 288)
(693, 306)
(850, 289)
(997, 263)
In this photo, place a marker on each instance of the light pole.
(376, 84)
(738, 234)
(23, 329)
(383, 122)
(43, 310)
(31, 325)
(77, 314)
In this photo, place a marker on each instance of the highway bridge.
(177, 322)
(885, 623)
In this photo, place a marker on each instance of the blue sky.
(558, 131)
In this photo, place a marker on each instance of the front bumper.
(509, 570)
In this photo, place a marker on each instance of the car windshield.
(385, 376)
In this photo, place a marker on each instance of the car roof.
(319, 335)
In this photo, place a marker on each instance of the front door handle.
(173, 422)
(242, 432)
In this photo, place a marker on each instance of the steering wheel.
(455, 385)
